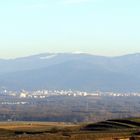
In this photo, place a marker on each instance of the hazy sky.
(105, 27)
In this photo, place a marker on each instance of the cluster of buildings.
(47, 93)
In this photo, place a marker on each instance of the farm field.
(117, 129)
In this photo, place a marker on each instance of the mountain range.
(84, 72)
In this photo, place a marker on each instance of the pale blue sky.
(105, 27)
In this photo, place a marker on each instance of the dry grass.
(53, 131)
(34, 125)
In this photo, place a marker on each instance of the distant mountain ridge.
(77, 71)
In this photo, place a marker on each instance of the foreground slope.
(125, 129)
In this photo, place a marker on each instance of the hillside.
(124, 129)
(72, 71)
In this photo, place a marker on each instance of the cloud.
(75, 1)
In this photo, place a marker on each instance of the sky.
(101, 27)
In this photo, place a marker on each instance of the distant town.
(67, 105)
(47, 93)
(43, 94)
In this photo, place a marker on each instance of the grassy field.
(121, 129)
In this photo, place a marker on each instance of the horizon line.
(76, 53)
